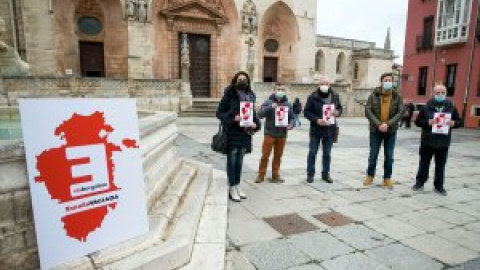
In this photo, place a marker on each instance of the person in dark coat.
(435, 144)
(297, 110)
(384, 110)
(275, 137)
(408, 109)
(320, 131)
(239, 138)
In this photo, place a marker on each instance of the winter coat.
(228, 108)
(430, 139)
(314, 110)
(373, 109)
(266, 111)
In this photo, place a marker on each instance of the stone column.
(140, 48)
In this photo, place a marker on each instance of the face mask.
(387, 86)
(324, 88)
(279, 94)
(242, 86)
(439, 98)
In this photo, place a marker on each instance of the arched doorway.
(279, 34)
(320, 62)
(210, 28)
(91, 39)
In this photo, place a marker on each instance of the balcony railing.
(424, 43)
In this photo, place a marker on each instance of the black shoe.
(310, 179)
(326, 178)
(442, 191)
(417, 188)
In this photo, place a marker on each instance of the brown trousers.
(269, 143)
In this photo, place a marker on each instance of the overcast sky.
(364, 20)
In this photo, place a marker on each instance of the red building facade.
(442, 44)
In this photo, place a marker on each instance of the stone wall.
(158, 95)
(351, 100)
(18, 248)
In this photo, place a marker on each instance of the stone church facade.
(206, 41)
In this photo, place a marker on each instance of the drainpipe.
(470, 64)
(14, 24)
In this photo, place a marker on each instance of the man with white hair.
(320, 129)
(437, 115)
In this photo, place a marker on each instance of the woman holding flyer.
(236, 112)
(322, 108)
(436, 119)
(278, 115)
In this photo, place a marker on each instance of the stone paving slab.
(425, 222)
(441, 249)
(387, 207)
(400, 257)
(307, 267)
(242, 233)
(450, 215)
(475, 227)
(358, 212)
(320, 245)
(274, 255)
(465, 238)
(355, 261)
(394, 228)
(360, 237)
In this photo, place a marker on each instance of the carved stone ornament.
(249, 18)
(131, 9)
(203, 11)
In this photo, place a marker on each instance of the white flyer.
(440, 123)
(281, 116)
(329, 114)
(246, 114)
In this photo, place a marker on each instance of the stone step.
(197, 114)
(210, 242)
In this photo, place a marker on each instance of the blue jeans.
(376, 139)
(327, 143)
(234, 165)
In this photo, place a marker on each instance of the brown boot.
(277, 180)
(388, 183)
(259, 179)
(368, 180)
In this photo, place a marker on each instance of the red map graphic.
(55, 169)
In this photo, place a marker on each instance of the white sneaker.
(240, 193)
(234, 194)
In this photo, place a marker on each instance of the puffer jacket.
(266, 111)
(228, 107)
(372, 110)
(430, 139)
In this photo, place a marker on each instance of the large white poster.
(85, 173)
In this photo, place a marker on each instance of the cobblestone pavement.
(344, 226)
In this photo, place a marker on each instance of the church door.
(270, 69)
(199, 65)
(92, 63)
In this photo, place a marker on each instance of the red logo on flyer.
(79, 174)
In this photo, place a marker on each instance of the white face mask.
(324, 88)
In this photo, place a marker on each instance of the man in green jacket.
(275, 136)
(384, 111)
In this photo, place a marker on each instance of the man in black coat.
(320, 130)
(433, 143)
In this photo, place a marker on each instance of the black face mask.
(242, 86)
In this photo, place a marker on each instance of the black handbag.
(220, 141)
(336, 133)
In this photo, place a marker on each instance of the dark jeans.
(426, 154)
(406, 120)
(376, 139)
(327, 143)
(234, 165)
